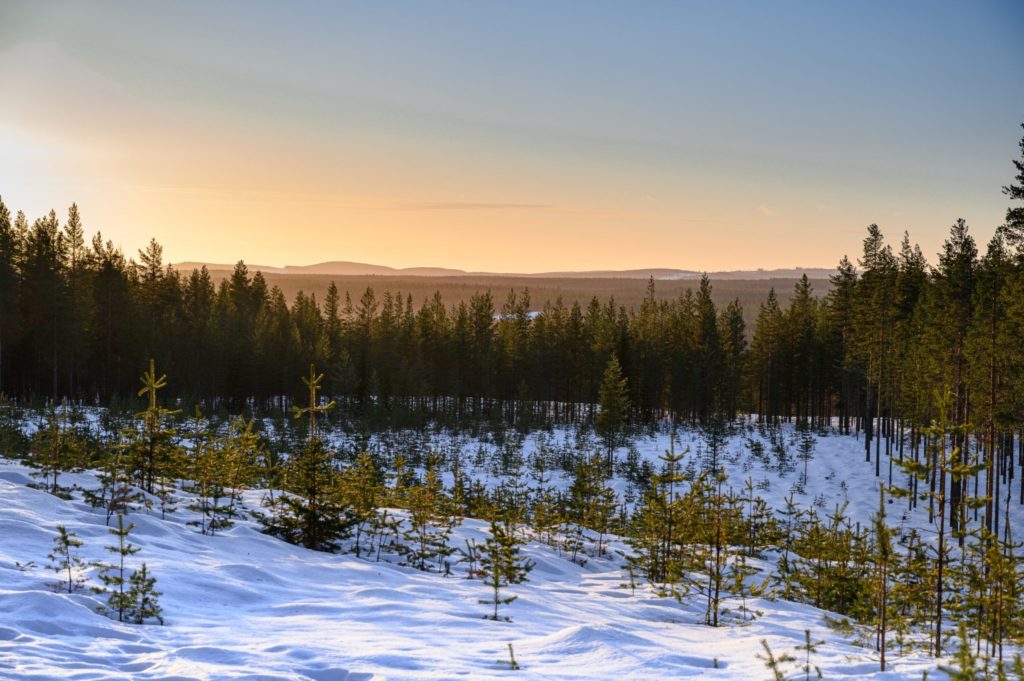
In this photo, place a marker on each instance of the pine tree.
(764, 358)
(809, 648)
(806, 449)
(1013, 228)
(774, 664)
(10, 246)
(793, 518)
(502, 565)
(871, 344)
(545, 515)
(154, 458)
(44, 303)
(362, 490)
(911, 592)
(116, 478)
(592, 502)
(239, 453)
(202, 471)
(732, 332)
(966, 668)
(739, 571)
(884, 557)
(142, 598)
(56, 449)
(613, 403)
(661, 526)
(426, 538)
(945, 463)
(314, 515)
(63, 560)
(717, 518)
(709, 361)
(115, 576)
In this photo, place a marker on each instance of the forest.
(924, 363)
(79, 320)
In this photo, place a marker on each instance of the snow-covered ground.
(245, 605)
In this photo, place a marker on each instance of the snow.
(242, 604)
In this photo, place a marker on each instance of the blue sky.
(513, 136)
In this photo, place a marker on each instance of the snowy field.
(245, 605)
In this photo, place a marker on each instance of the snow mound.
(244, 605)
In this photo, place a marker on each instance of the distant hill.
(338, 268)
(628, 287)
(342, 268)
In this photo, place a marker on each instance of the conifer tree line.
(78, 318)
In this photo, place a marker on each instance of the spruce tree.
(56, 449)
(806, 449)
(1013, 228)
(314, 514)
(429, 527)
(592, 503)
(362, 490)
(154, 457)
(116, 478)
(65, 562)
(883, 556)
(9, 255)
(793, 518)
(613, 404)
(943, 462)
(143, 598)
(502, 565)
(717, 518)
(739, 572)
(203, 474)
(115, 576)
(664, 525)
(545, 515)
(807, 649)
(774, 664)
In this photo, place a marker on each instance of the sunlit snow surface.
(245, 605)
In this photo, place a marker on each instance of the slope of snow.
(245, 605)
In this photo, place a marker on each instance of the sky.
(513, 137)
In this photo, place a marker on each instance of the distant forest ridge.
(628, 292)
(346, 268)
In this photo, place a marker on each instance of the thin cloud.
(466, 205)
(323, 198)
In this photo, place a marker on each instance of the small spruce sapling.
(774, 664)
(63, 560)
(512, 664)
(502, 565)
(806, 449)
(142, 597)
(55, 449)
(113, 576)
(739, 572)
(966, 668)
(807, 649)
(471, 557)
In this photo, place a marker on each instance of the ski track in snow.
(243, 605)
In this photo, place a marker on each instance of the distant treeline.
(460, 289)
(81, 320)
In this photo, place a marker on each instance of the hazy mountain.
(344, 268)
